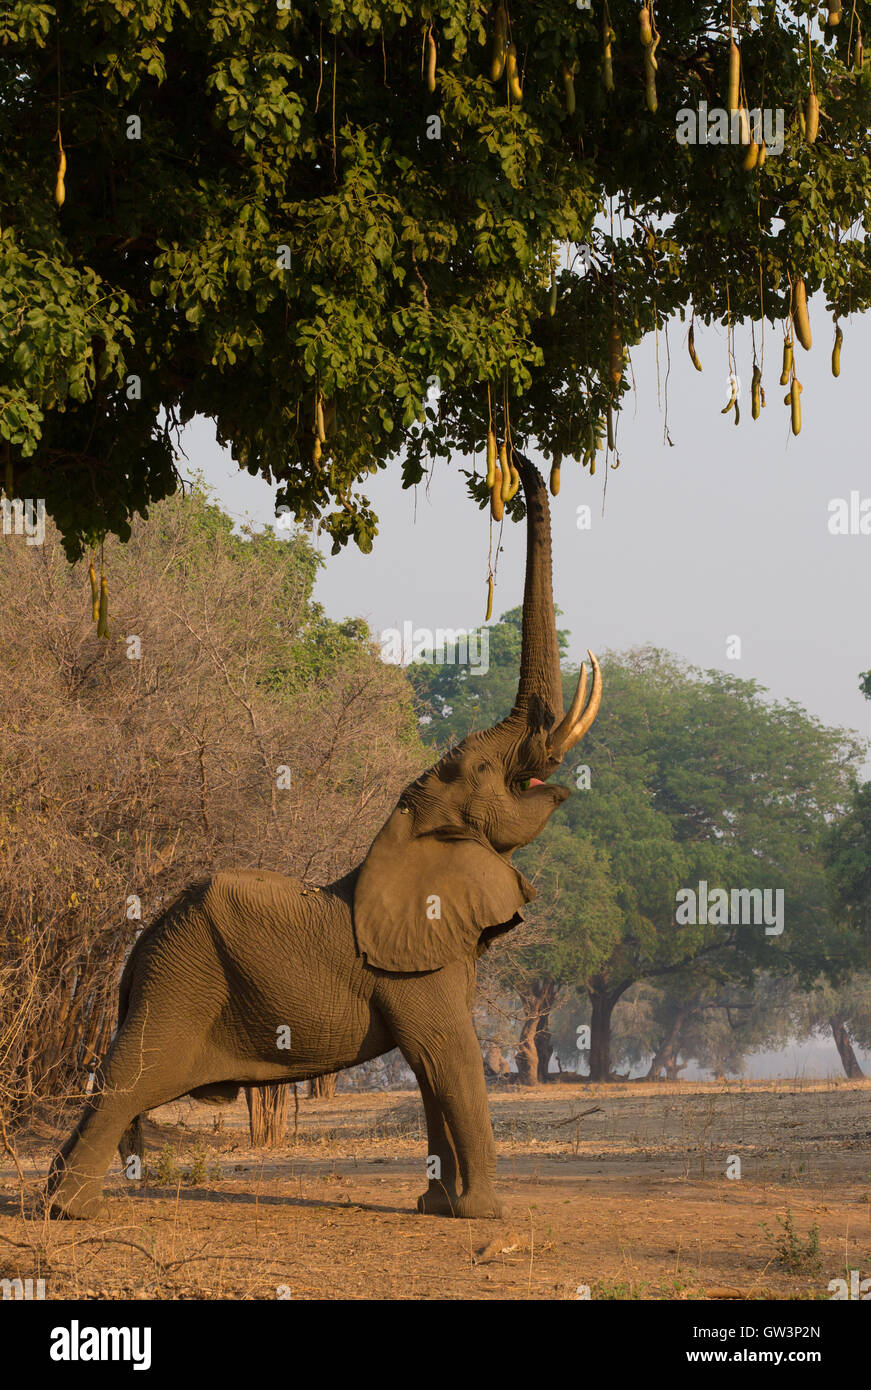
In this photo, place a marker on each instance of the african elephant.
(382, 958)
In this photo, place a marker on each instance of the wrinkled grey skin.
(383, 958)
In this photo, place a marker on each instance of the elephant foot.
(438, 1201)
(73, 1200)
(482, 1205)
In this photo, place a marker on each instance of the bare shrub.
(133, 765)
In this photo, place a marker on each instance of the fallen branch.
(593, 1110)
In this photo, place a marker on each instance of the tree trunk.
(849, 1061)
(543, 1047)
(267, 1114)
(666, 1054)
(394, 1068)
(323, 1087)
(600, 1034)
(526, 1055)
(534, 1048)
(495, 1064)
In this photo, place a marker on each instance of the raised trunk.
(540, 675)
(849, 1060)
(536, 735)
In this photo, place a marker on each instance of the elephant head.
(438, 874)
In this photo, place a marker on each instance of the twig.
(558, 1124)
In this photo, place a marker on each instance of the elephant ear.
(423, 900)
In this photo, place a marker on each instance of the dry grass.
(635, 1205)
(122, 780)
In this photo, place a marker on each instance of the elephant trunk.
(540, 677)
(538, 707)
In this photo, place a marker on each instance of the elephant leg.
(442, 1194)
(131, 1084)
(429, 1018)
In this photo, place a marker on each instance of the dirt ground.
(631, 1201)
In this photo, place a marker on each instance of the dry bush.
(123, 777)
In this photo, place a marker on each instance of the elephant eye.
(524, 784)
(482, 767)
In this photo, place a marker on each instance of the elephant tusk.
(565, 726)
(578, 719)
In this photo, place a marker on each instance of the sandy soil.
(631, 1201)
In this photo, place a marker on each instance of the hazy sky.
(726, 533)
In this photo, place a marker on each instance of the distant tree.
(267, 1114)
(847, 1009)
(570, 930)
(323, 1087)
(695, 776)
(686, 776)
(715, 1022)
(849, 855)
(454, 698)
(843, 1011)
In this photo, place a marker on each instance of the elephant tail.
(131, 1143)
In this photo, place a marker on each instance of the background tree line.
(685, 776)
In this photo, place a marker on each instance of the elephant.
(246, 962)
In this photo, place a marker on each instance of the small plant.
(167, 1172)
(796, 1255)
(199, 1170)
(615, 1290)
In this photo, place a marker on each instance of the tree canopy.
(279, 217)
(849, 854)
